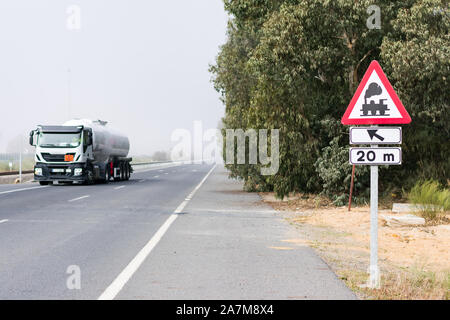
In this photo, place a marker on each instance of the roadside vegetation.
(431, 199)
(27, 164)
(294, 65)
(414, 260)
(401, 284)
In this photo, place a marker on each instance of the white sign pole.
(374, 270)
(375, 102)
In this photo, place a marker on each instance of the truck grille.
(54, 157)
(58, 174)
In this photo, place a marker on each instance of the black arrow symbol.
(373, 133)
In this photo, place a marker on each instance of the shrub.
(335, 173)
(430, 198)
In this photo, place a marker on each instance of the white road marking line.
(4, 220)
(165, 173)
(23, 189)
(116, 286)
(76, 199)
(156, 177)
(142, 180)
(237, 211)
(117, 188)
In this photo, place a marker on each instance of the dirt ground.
(414, 261)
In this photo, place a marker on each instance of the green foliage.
(335, 172)
(294, 65)
(416, 57)
(430, 198)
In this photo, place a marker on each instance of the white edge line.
(23, 189)
(120, 187)
(4, 220)
(116, 286)
(78, 198)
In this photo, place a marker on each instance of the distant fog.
(141, 65)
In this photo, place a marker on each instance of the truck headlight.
(78, 171)
(38, 171)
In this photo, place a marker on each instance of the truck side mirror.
(31, 138)
(87, 139)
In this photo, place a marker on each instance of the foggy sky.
(142, 65)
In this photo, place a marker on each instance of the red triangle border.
(374, 65)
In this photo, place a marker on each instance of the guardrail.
(13, 173)
(149, 163)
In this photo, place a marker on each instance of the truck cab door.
(87, 144)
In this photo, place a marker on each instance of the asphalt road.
(179, 232)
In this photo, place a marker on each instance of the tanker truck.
(80, 151)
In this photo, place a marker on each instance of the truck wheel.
(122, 171)
(119, 178)
(128, 173)
(107, 173)
(43, 183)
(120, 175)
(89, 177)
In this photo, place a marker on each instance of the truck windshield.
(59, 140)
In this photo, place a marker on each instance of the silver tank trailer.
(106, 142)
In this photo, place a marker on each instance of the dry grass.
(297, 201)
(416, 284)
(432, 200)
(400, 284)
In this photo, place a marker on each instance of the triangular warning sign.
(375, 101)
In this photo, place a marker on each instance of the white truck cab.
(80, 151)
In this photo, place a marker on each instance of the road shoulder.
(228, 244)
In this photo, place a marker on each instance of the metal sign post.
(374, 270)
(375, 102)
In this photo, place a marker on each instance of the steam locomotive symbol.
(373, 90)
